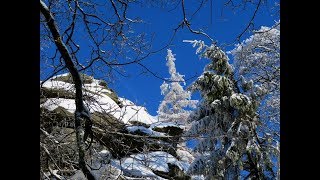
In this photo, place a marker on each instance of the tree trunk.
(81, 114)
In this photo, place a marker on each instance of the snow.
(133, 167)
(60, 75)
(58, 85)
(166, 124)
(197, 177)
(186, 158)
(145, 130)
(53, 103)
(196, 43)
(95, 87)
(136, 165)
(104, 103)
(185, 155)
(126, 101)
(55, 173)
(173, 106)
(106, 171)
(104, 151)
(101, 103)
(132, 112)
(136, 113)
(142, 164)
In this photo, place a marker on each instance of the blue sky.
(225, 26)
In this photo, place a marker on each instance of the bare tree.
(60, 26)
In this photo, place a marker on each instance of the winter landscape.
(159, 90)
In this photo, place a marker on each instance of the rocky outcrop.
(171, 130)
(56, 93)
(68, 79)
(175, 173)
(110, 128)
(59, 117)
(121, 143)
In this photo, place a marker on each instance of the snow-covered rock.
(98, 98)
(128, 142)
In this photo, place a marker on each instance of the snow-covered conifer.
(176, 99)
(257, 64)
(225, 122)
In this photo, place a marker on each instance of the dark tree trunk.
(81, 114)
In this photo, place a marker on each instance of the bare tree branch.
(185, 22)
(251, 21)
(81, 113)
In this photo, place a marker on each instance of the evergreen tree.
(258, 59)
(257, 62)
(176, 99)
(226, 122)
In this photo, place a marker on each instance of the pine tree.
(258, 59)
(176, 99)
(225, 122)
(257, 62)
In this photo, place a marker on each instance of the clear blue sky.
(225, 27)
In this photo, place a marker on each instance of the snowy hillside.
(128, 142)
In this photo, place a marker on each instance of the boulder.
(175, 173)
(170, 130)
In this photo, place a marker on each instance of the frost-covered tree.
(257, 59)
(226, 122)
(257, 62)
(176, 99)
